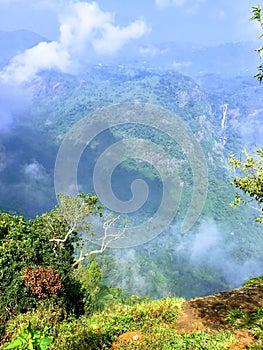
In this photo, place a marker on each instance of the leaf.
(29, 329)
(15, 344)
(45, 342)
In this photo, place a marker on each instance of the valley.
(224, 115)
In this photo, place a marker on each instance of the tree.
(37, 257)
(90, 277)
(249, 180)
(258, 16)
(25, 247)
(73, 212)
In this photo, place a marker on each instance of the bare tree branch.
(73, 213)
(104, 241)
(59, 240)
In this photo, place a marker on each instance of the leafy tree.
(72, 212)
(37, 258)
(15, 254)
(258, 16)
(90, 278)
(249, 179)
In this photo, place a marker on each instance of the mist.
(217, 249)
(27, 159)
(14, 104)
(252, 130)
(86, 34)
(213, 257)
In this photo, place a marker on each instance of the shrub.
(42, 282)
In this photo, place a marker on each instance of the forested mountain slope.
(222, 113)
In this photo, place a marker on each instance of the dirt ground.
(211, 311)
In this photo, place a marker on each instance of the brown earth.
(211, 312)
(127, 338)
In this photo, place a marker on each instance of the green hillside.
(172, 263)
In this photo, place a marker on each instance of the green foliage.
(250, 182)
(45, 244)
(89, 277)
(258, 16)
(235, 316)
(17, 251)
(254, 281)
(31, 340)
(252, 321)
(197, 340)
(154, 319)
(170, 90)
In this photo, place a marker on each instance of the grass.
(252, 321)
(155, 320)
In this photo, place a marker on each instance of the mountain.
(228, 60)
(223, 114)
(15, 42)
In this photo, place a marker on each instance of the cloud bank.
(85, 31)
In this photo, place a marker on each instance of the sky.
(201, 21)
(76, 31)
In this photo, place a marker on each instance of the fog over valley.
(96, 55)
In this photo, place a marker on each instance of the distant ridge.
(12, 43)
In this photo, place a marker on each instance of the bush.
(155, 320)
(37, 258)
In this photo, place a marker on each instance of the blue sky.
(198, 21)
(83, 31)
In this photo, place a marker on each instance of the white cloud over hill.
(85, 31)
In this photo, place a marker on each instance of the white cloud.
(82, 23)
(115, 37)
(165, 3)
(27, 64)
(86, 23)
(84, 30)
